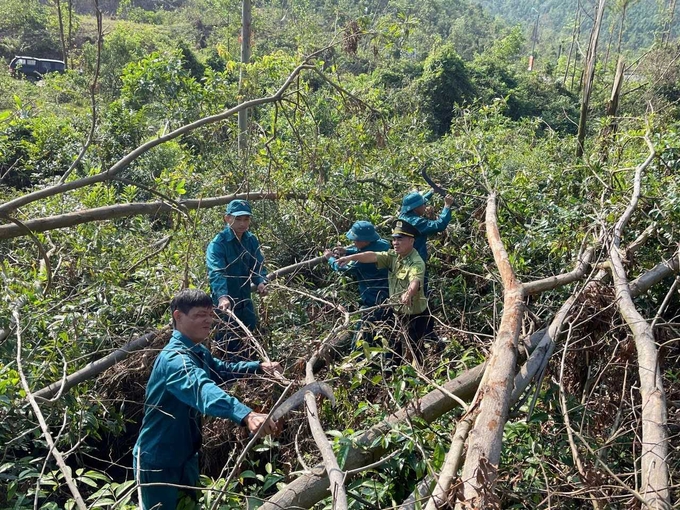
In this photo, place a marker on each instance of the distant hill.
(645, 21)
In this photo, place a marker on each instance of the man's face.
(403, 245)
(420, 210)
(196, 324)
(361, 244)
(239, 224)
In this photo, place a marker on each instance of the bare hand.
(256, 420)
(271, 367)
(448, 200)
(342, 261)
(262, 289)
(224, 304)
(406, 298)
(339, 251)
(328, 254)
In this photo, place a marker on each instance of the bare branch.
(451, 464)
(647, 280)
(80, 503)
(553, 282)
(335, 475)
(97, 367)
(111, 212)
(654, 465)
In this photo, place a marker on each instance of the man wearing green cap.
(373, 286)
(406, 278)
(234, 261)
(412, 211)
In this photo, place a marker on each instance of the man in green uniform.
(183, 386)
(406, 275)
(234, 261)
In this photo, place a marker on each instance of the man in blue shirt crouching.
(183, 386)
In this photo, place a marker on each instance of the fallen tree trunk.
(310, 488)
(493, 399)
(97, 367)
(654, 413)
(111, 212)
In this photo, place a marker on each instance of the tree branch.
(654, 465)
(80, 503)
(111, 212)
(123, 163)
(97, 367)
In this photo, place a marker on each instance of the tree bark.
(110, 212)
(654, 465)
(486, 437)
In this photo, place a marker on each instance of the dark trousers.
(369, 323)
(229, 335)
(416, 328)
(167, 497)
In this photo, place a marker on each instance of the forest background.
(111, 186)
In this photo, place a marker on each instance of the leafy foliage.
(438, 84)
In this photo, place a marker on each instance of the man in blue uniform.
(406, 277)
(183, 386)
(234, 261)
(373, 287)
(412, 211)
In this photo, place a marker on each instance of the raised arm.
(364, 256)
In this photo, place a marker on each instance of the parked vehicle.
(35, 68)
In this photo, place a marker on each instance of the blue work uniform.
(373, 288)
(183, 386)
(426, 227)
(233, 265)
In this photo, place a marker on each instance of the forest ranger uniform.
(233, 265)
(183, 386)
(415, 317)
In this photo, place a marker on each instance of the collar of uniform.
(186, 341)
(407, 257)
(230, 236)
